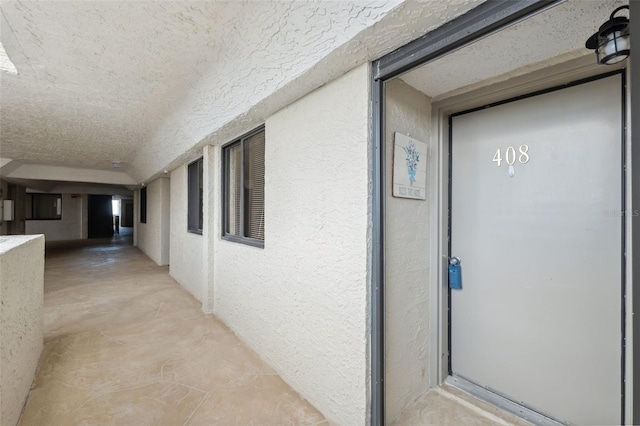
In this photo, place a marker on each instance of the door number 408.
(510, 155)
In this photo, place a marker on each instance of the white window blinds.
(244, 189)
(234, 182)
(254, 186)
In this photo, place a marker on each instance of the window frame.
(225, 190)
(199, 165)
(142, 217)
(32, 195)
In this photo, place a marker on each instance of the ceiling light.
(116, 164)
(611, 42)
(5, 63)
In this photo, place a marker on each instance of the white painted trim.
(629, 267)
(439, 202)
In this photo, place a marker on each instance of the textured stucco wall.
(21, 320)
(186, 247)
(70, 227)
(153, 237)
(212, 187)
(407, 261)
(301, 302)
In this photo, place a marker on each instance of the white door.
(536, 219)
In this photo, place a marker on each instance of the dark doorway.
(126, 212)
(100, 217)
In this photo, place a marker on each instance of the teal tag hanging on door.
(455, 274)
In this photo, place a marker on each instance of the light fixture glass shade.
(614, 47)
(611, 42)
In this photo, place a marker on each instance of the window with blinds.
(194, 197)
(234, 193)
(143, 205)
(244, 189)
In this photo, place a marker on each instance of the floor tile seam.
(162, 368)
(197, 407)
(172, 382)
(469, 405)
(159, 308)
(231, 384)
(69, 385)
(217, 333)
(97, 394)
(111, 339)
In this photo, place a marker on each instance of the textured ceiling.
(147, 83)
(553, 36)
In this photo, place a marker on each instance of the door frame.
(487, 18)
(549, 80)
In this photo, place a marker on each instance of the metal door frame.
(487, 18)
(493, 397)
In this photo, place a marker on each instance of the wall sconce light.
(611, 42)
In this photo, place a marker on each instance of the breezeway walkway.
(127, 345)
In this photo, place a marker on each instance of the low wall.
(21, 320)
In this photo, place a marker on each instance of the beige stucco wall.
(21, 320)
(186, 264)
(408, 111)
(302, 301)
(153, 237)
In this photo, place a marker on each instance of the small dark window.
(194, 203)
(143, 205)
(43, 206)
(243, 208)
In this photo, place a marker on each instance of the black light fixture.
(611, 42)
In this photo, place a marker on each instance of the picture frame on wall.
(409, 176)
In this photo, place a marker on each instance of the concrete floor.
(126, 345)
(448, 406)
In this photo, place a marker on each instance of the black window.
(43, 206)
(143, 205)
(243, 208)
(194, 221)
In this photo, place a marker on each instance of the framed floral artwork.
(409, 167)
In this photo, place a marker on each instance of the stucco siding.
(72, 225)
(186, 264)
(301, 302)
(407, 257)
(21, 320)
(152, 237)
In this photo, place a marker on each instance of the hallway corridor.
(126, 345)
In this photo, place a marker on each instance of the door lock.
(455, 273)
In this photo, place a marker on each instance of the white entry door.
(536, 220)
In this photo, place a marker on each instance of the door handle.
(455, 261)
